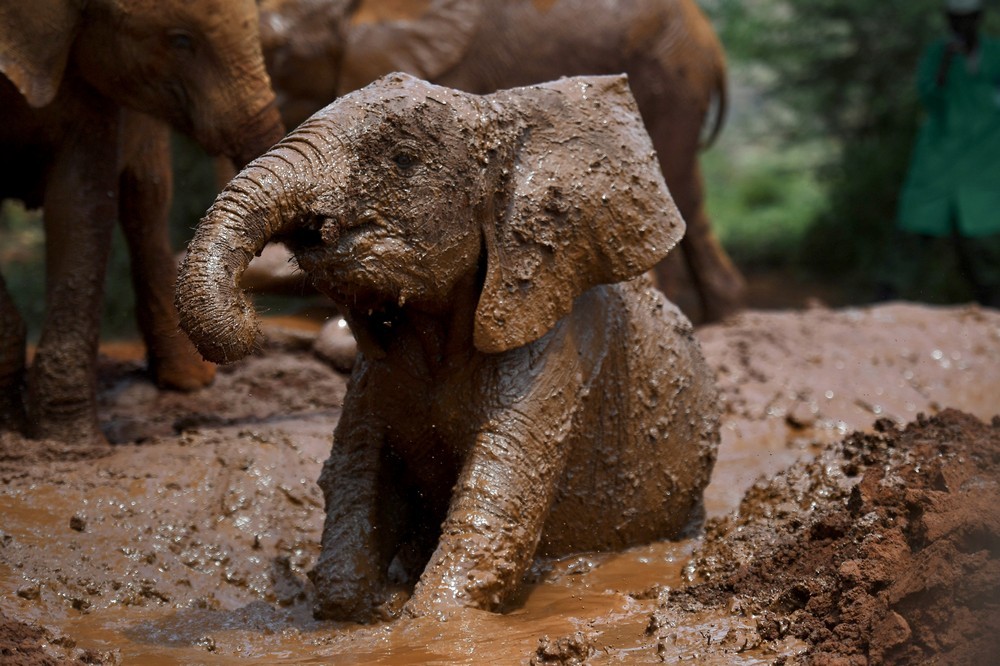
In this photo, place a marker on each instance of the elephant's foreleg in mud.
(495, 520)
(62, 381)
(12, 362)
(362, 529)
(146, 189)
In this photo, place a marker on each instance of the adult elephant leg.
(80, 209)
(718, 282)
(146, 189)
(12, 357)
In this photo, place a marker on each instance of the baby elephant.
(521, 389)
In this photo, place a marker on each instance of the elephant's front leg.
(361, 532)
(146, 190)
(496, 516)
(79, 211)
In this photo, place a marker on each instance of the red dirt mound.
(885, 549)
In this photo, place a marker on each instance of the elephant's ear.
(426, 43)
(35, 41)
(586, 205)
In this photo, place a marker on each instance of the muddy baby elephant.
(521, 389)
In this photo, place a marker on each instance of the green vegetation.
(761, 200)
(838, 77)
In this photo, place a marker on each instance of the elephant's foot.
(344, 592)
(481, 590)
(61, 401)
(82, 431)
(182, 370)
(463, 573)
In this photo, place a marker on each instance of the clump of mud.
(24, 645)
(885, 549)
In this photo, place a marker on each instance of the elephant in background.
(87, 93)
(521, 387)
(318, 50)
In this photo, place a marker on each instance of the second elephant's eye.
(181, 40)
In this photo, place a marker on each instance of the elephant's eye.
(404, 160)
(181, 40)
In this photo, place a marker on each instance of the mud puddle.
(188, 542)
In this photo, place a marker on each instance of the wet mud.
(188, 541)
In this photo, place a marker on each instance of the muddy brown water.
(188, 543)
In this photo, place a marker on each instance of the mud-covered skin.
(514, 393)
(318, 51)
(77, 82)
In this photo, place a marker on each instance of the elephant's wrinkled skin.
(519, 390)
(85, 92)
(317, 50)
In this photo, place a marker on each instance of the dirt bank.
(885, 548)
(188, 541)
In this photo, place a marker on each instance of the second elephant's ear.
(35, 41)
(425, 41)
(586, 205)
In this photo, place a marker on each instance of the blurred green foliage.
(839, 73)
(760, 200)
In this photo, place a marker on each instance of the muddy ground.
(188, 541)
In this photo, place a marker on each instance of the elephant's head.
(197, 65)
(317, 50)
(303, 42)
(404, 191)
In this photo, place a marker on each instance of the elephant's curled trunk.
(262, 201)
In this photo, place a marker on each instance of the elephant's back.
(526, 42)
(645, 443)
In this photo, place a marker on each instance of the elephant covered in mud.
(521, 388)
(317, 50)
(85, 94)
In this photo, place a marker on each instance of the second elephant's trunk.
(271, 194)
(260, 133)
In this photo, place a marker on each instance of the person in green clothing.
(952, 190)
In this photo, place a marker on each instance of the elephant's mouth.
(365, 225)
